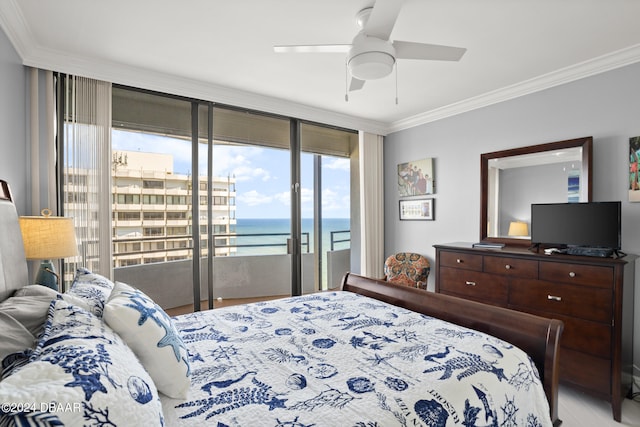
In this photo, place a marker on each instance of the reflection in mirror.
(514, 179)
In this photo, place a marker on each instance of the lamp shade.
(48, 237)
(518, 228)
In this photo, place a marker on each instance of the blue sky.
(262, 174)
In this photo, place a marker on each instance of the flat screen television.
(592, 225)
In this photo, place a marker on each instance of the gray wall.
(606, 106)
(13, 127)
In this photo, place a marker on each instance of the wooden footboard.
(537, 336)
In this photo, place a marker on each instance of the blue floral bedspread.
(342, 359)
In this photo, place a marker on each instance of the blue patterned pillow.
(80, 373)
(93, 288)
(153, 337)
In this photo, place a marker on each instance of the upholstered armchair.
(407, 269)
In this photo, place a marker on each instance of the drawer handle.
(572, 274)
(508, 267)
(459, 261)
(554, 298)
(470, 283)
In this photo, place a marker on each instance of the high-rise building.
(152, 214)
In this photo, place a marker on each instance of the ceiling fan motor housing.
(370, 57)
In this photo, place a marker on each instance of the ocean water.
(274, 234)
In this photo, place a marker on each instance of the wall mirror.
(511, 180)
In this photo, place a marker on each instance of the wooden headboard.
(13, 264)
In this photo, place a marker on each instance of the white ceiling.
(223, 51)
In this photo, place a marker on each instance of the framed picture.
(415, 178)
(634, 179)
(417, 209)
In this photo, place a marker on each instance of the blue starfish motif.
(145, 312)
(276, 403)
(172, 339)
(378, 360)
(89, 383)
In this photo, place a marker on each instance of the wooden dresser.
(592, 296)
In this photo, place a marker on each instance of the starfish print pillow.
(152, 336)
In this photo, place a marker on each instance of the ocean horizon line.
(324, 217)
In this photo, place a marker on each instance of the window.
(128, 216)
(176, 231)
(152, 199)
(176, 215)
(248, 177)
(128, 199)
(157, 216)
(176, 200)
(158, 185)
(153, 231)
(219, 201)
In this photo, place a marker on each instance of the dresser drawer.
(571, 300)
(461, 260)
(515, 267)
(589, 275)
(596, 342)
(473, 285)
(592, 373)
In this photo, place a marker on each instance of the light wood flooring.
(576, 409)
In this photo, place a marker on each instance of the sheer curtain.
(42, 148)
(86, 169)
(371, 205)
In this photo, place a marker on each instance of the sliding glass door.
(251, 258)
(241, 204)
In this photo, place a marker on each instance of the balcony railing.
(219, 240)
(224, 241)
(335, 240)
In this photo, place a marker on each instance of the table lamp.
(518, 229)
(45, 238)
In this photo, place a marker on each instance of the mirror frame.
(586, 175)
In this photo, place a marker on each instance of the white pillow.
(80, 373)
(93, 288)
(152, 336)
(30, 311)
(14, 336)
(36, 290)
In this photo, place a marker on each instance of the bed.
(369, 354)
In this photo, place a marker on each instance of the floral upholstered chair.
(407, 269)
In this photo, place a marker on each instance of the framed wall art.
(417, 209)
(634, 181)
(415, 178)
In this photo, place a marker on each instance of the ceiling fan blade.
(313, 48)
(383, 18)
(356, 84)
(434, 52)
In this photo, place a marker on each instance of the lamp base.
(47, 275)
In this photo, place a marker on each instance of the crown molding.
(15, 26)
(569, 74)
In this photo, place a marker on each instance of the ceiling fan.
(371, 55)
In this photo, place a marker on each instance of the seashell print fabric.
(342, 359)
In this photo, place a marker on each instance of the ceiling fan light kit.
(371, 65)
(370, 58)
